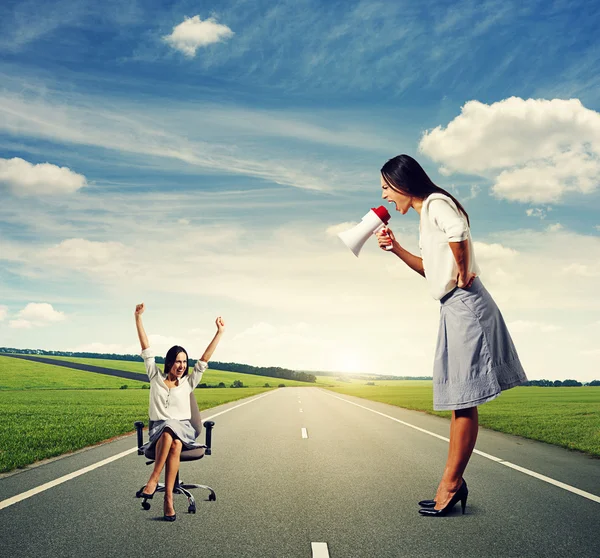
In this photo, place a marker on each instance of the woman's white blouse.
(441, 223)
(170, 403)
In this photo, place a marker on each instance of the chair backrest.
(196, 419)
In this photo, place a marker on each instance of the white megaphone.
(371, 223)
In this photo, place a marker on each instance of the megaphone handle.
(384, 229)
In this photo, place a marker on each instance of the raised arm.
(215, 340)
(386, 236)
(139, 310)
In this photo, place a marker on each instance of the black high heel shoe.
(170, 517)
(141, 494)
(460, 495)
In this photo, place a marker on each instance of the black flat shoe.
(427, 503)
(460, 495)
(141, 494)
(170, 517)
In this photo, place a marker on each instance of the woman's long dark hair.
(403, 174)
(172, 356)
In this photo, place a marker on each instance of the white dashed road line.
(319, 550)
(304, 433)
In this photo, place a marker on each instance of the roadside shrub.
(123, 386)
(281, 385)
(237, 384)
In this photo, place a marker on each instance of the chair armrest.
(209, 424)
(139, 425)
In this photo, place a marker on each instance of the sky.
(201, 157)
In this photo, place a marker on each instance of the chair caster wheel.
(212, 497)
(146, 505)
(192, 509)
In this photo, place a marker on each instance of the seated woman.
(170, 429)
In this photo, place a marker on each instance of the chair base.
(183, 488)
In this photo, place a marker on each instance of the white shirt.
(170, 403)
(442, 222)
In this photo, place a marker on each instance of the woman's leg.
(463, 435)
(171, 474)
(163, 445)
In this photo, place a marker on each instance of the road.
(298, 466)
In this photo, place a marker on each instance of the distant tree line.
(271, 371)
(559, 383)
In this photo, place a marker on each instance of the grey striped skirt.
(182, 429)
(475, 358)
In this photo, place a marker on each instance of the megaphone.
(370, 224)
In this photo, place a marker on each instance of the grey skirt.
(181, 429)
(475, 358)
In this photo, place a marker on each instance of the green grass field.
(563, 416)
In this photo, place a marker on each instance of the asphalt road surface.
(299, 466)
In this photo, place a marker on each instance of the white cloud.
(3, 312)
(87, 255)
(540, 212)
(334, 230)
(554, 228)
(192, 137)
(36, 314)
(20, 324)
(494, 251)
(193, 33)
(535, 150)
(582, 270)
(25, 179)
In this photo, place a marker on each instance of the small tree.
(237, 384)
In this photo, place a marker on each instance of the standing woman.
(170, 412)
(475, 359)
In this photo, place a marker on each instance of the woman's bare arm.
(208, 352)
(386, 236)
(139, 310)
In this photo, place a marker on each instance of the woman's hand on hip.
(465, 282)
(385, 237)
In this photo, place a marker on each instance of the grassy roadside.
(568, 417)
(54, 422)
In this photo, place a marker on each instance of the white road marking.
(29, 493)
(301, 410)
(304, 433)
(539, 476)
(319, 550)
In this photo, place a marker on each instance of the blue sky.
(201, 157)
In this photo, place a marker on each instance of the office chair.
(186, 455)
